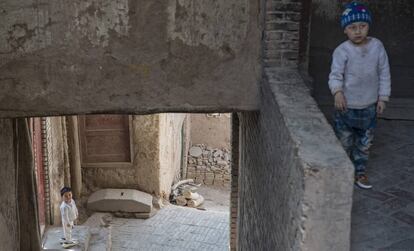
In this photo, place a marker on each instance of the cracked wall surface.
(57, 165)
(156, 160)
(76, 57)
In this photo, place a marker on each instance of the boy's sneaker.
(361, 181)
(68, 244)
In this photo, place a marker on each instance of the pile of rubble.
(210, 166)
(184, 193)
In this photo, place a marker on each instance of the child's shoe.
(361, 181)
(69, 244)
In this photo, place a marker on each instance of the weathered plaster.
(8, 200)
(212, 131)
(56, 165)
(143, 173)
(24, 28)
(157, 143)
(215, 24)
(171, 150)
(136, 57)
(96, 20)
(146, 153)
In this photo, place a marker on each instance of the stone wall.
(9, 236)
(137, 57)
(209, 166)
(209, 155)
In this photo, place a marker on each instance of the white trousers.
(67, 232)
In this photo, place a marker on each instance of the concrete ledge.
(296, 181)
(120, 200)
(397, 108)
(327, 171)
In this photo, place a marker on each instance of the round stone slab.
(195, 151)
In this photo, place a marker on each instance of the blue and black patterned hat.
(65, 190)
(355, 12)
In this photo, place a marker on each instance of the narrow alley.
(383, 218)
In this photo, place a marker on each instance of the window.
(105, 140)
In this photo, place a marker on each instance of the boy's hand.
(380, 107)
(340, 101)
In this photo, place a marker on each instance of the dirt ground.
(215, 198)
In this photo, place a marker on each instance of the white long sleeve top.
(69, 212)
(362, 73)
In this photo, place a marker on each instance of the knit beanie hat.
(355, 12)
(65, 190)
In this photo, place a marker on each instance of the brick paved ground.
(383, 218)
(173, 228)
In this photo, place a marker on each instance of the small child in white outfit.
(69, 214)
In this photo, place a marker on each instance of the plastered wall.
(57, 165)
(172, 148)
(156, 146)
(74, 57)
(211, 129)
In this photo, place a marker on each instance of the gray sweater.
(362, 73)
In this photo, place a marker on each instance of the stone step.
(52, 236)
(120, 200)
(100, 239)
(100, 231)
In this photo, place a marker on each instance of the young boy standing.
(69, 213)
(361, 84)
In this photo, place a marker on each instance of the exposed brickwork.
(271, 185)
(234, 196)
(281, 35)
(277, 180)
(46, 172)
(295, 178)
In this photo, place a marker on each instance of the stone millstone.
(195, 151)
(120, 200)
